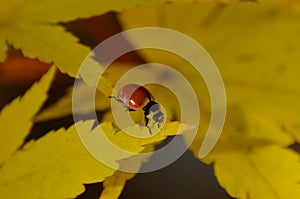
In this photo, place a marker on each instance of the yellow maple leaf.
(21, 112)
(34, 28)
(64, 104)
(61, 155)
(110, 146)
(58, 164)
(256, 48)
(113, 185)
(47, 160)
(269, 172)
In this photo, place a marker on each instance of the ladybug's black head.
(152, 110)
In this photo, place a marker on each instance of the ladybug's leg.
(125, 106)
(149, 130)
(147, 122)
(128, 109)
(158, 125)
(116, 98)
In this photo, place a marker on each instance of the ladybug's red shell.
(134, 96)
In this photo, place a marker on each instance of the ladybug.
(136, 97)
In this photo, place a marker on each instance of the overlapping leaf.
(55, 166)
(61, 155)
(270, 172)
(65, 105)
(58, 156)
(114, 184)
(32, 27)
(16, 118)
